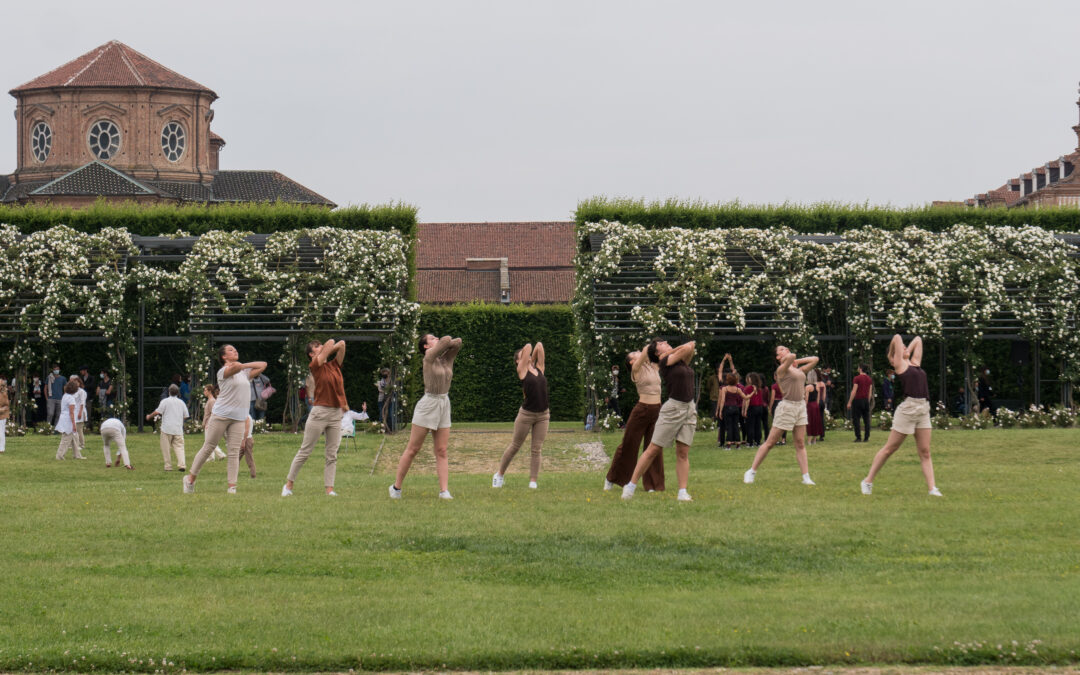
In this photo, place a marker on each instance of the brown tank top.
(914, 382)
(536, 392)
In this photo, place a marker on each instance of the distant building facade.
(116, 124)
(530, 263)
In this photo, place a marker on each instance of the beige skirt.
(789, 414)
(912, 414)
(677, 422)
(432, 412)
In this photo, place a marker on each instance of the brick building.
(116, 124)
(531, 263)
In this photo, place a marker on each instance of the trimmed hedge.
(486, 388)
(815, 218)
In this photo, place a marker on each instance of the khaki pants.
(67, 441)
(245, 451)
(321, 419)
(175, 443)
(79, 435)
(233, 431)
(526, 422)
(109, 436)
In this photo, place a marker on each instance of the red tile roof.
(525, 245)
(113, 64)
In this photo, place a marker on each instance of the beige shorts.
(912, 414)
(677, 422)
(432, 412)
(789, 414)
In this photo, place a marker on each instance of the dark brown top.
(679, 378)
(914, 382)
(536, 392)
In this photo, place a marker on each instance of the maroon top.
(864, 383)
(731, 398)
(914, 382)
(778, 391)
(758, 397)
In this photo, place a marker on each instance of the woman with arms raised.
(533, 416)
(639, 427)
(790, 412)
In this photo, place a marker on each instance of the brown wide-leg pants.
(638, 433)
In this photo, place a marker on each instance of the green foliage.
(814, 218)
(485, 384)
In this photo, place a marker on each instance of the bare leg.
(416, 441)
(442, 464)
(799, 434)
(682, 464)
(645, 461)
(922, 443)
(886, 451)
(774, 436)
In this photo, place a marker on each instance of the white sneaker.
(189, 488)
(806, 480)
(218, 453)
(532, 484)
(394, 492)
(328, 494)
(748, 477)
(496, 480)
(684, 496)
(608, 484)
(285, 491)
(445, 494)
(231, 490)
(867, 488)
(628, 491)
(934, 492)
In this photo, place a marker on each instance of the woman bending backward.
(533, 416)
(790, 412)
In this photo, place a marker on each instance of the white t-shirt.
(347, 420)
(234, 400)
(63, 425)
(173, 413)
(113, 423)
(80, 406)
(250, 427)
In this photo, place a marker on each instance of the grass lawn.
(110, 569)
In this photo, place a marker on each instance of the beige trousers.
(109, 436)
(233, 431)
(79, 435)
(320, 420)
(526, 422)
(67, 441)
(174, 443)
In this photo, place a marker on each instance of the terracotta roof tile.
(113, 64)
(95, 178)
(262, 186)
(524, 245)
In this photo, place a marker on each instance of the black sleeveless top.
(536, 392)
(679, 378)
(812, 396)
(914, 382)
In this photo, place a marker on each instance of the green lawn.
(117, 570)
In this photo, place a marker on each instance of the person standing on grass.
(533, 417)
(54, 385)
(432, 412)
(173, 412)
(114, 431)
(678, 416)
(247, 448)
(639, 427)
(210, 391)
(325, 418)
(730, 406)
(5, 412)
(65, 424)
(230, 414)
(790, 412)
(756, 412)
(912, 415)
(775, 396)
(862, 390)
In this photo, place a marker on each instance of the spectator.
(887, 389)
(81, 415)
(185, 389)
(113, 431)
(713, 385)
(862, 390)
(89, 385)
(350, 417)
(986, 393)
(37, 395)
(308, 396)
(827, 392)
(106, 393)
(383, 385)
(5, 410)
(258, 402)
(173, 412)
(613, 395)
(54, 385)
(65, 422)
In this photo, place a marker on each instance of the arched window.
(41, 141)
(172, 141)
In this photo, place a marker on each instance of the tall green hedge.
(485, 384)
(815, 218)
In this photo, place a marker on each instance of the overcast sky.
(506, 110)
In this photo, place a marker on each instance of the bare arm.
(785, 363)
(524, 361)
(340, 347)
(538, 356)
(914, 351)
(635, 367)
(320, 358)
(684, 352)
(896, 351)
(443, 346)
(806, 363)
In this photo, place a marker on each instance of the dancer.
(912, 415)
(639, 427)
(775, 396)
(113, 431)
(757, 415)
(862, 390)
(65, 423)
(173, 412)
(230, 412)
(790, 413)
(210, 392)
(432, 411)
(730, 406)
(815, 419)
(678, 415)
(325, 418)
(80, 412)
(533, 417)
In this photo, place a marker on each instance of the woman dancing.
(756, 412)
(432, 412)
(790, 412)
(678, 415)
(230, 413)
(815, 419)
(639, 427)
(912, 416)
(730, 406)
(533, 416)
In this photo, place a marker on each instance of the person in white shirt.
(65, 423)
(349, 419)
(230, 415)
(113, 431)
(80, 412)
(173, 412)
